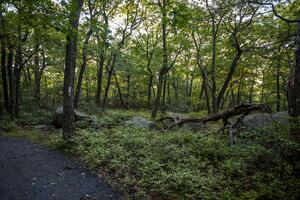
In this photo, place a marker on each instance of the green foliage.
(6, 124)
(113, 117)
(188, 165)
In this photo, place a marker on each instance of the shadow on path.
(31, 172)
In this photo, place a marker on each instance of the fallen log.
(242, 109)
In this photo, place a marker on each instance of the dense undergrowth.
(181, 164)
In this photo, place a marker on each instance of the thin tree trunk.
(4, 75)
(239, 93)
(69, 74)
(175, 88)
(17, 75)
(251, 89)
(229, 76)
(37, 76)
(150, 83)
(224, 99)
(278, 87)
(109, 76)
(128, 91)
(207, 98)
(119, 90)
(82, 67)
(164, 69)
(101, 58)
(296, 110)
(11, 81)
(164, 92)
(29, 77)
(169, 93)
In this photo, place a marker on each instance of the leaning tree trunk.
(69, 74)
(229, 76)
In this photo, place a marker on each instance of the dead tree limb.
(242, 109)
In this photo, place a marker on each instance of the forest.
(162, 99)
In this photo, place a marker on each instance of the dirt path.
(31, 172)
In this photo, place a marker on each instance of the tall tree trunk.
(207, 98)
(17, 75)
(239, 93)
(108, 83)
(27, 71)
(164, 69)
(82, 67)
(11, 81)
(69, 74)
(233, 98)
(278, 86)
(296, 111)
(251, 90)
(175, 88)
(37, 75)
(4, 74)
(150, 83)
(169, 93)
(87, 84)
(224, 99)
(213, 71)
(101, 58)
(119, 90)
(128, 91)
(294, 81)
(229, 76)
(164, 93)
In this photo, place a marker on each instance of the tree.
(69, 73)
(163, 71)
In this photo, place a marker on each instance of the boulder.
(82, 120)
(140, 122)
(259, 121)
(195, 126)
(167, 123)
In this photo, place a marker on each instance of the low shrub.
(187, 165)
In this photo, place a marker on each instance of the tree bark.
(251, 89)
(229, 77)
(164, 69)
(294, 82)
(278, 86)
(108, 83)
(128, 91)
(150, 83)
(82, 67)
(119, 90)
(17, 75)
(296, 111)
(69, 73)
(4, 75)
(37, 75)
(11, 81)
(101, 58)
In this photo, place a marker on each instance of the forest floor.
(144, 163)
(29, 171)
